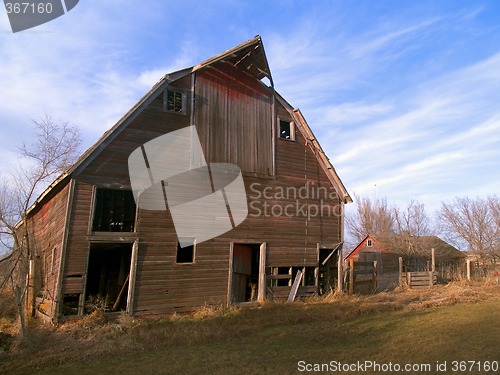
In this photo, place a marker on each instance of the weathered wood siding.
(75, 266)
(163, 285)
(47, 230)
(233, 118)
(110, 168)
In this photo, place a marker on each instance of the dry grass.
(230, 340)
(8, 321)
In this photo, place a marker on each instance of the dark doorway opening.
(328, 271)
(246, 268)
(108, 275)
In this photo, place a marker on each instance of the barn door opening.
(108, 276)
(328, 270)
(247, 272)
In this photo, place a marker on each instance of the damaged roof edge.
(232, 53)
(89, 155)
(63, 177)
(93, 151)
(308, 134)
(330, 170)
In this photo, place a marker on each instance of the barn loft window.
(186, 254)
(286, 130)
(174, 100)
(369, 243)
(114, 211)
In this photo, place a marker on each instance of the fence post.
(433, 265)
(431, 279)
(468, 269)
(400, 271)
(374, 276)
(351, 276)
(340, 271)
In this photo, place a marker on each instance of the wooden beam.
(433, 265)
(400, 272)
(295, 287)
(468, 269)
(351, 276)
(132, 278)
(374, 277)
(339, 246)
(340, 270)
(116, 305)
(58, 298)
(261, 290)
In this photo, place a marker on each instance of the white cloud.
(351, 113)
(372, 44)
(389, 107)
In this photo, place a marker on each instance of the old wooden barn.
(415, 251)
(93, 243)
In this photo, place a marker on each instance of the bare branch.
(472, 223)
(412, 226)
(371, 217)
(55, 148)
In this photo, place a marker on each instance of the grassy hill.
(431, 327)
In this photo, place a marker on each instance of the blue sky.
(402, 95)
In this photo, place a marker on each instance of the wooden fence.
(421, 280)
(362, 273)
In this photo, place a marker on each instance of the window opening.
(285, 281)
(174, 101)
(286, 130)
(114, 211)
(186, 254)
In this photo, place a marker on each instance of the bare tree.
(55, 149)
(412, 225)
(494, 206)
(472, 224)
(371, 217)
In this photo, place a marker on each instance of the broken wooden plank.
(120, 295)
(295, 287)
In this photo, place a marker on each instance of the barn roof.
(249, 56)
(361, 244)
(443, 250)
(424, 244)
